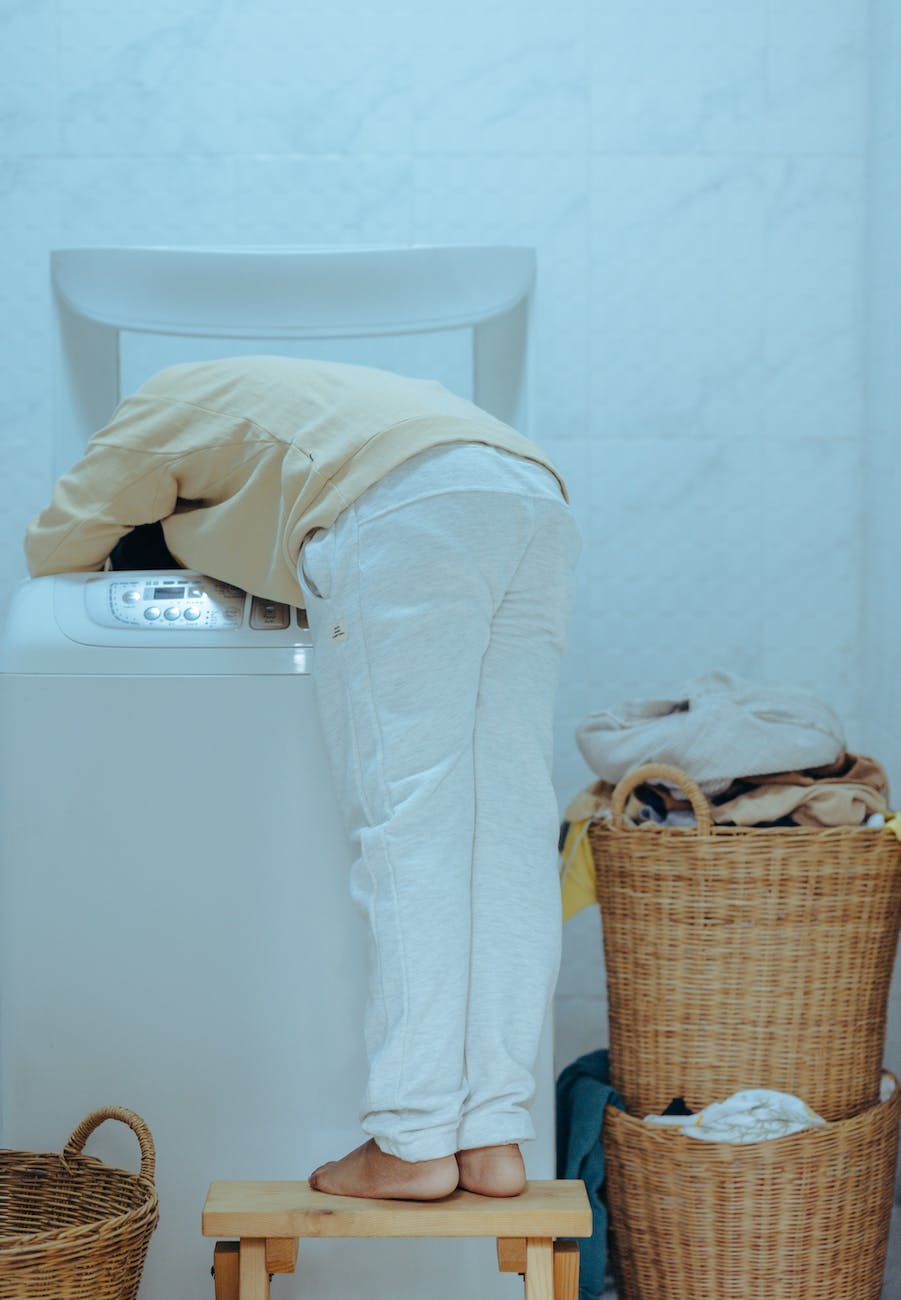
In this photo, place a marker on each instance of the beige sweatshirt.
(241, 458)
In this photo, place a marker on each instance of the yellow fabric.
(893, 823)
(241, 458)
(576, 863)
(578, 873)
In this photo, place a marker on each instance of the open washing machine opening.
(176, 931)
(143, 548)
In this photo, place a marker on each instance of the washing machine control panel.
(166, 603)
(163, 603)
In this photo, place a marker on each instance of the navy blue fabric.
(583, 1090)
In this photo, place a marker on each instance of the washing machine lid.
(149, 621)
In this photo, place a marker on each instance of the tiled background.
(713, 192)
(880, 627)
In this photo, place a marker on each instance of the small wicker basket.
(796, 1217)
(740, 957)
(73, 1228)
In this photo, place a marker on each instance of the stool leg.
(511, 1254)
(281, 1254)
(539, 1276)
(225, 1270)
(566, 1270)
(254, 1278)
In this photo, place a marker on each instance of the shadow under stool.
(268, 1218)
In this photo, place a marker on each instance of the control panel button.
(195, 593)
(269, 613)
(192, 613)
(152, 613)
(172, 613)
(131, 597)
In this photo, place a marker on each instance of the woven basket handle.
(148, 1156)
(663, 772)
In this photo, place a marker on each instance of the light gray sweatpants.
(437, 605)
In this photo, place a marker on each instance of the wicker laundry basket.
(73, 1228)
(804, 1217)
(742, 957)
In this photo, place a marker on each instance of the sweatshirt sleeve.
(111, 490)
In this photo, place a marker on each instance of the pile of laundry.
(762, 756)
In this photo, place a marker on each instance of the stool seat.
(549, 1208)
(269, 1217)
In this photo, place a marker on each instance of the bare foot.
(369, 1171)
(492, 1171)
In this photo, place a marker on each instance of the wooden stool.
(268, 1218)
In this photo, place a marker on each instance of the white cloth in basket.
(753, 1115)
(717, 728)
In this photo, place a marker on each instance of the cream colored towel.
(716, 728)
(752, 1115)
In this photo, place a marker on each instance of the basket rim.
(50, 1237)
(724, 832)
(666, 1133)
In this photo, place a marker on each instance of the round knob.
(131, 597)
(192, 613)
(172, 613)
(152, 613)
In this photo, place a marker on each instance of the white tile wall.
(678, 279)
(881, 622)
(695, 180)
(29, 88)
(499, 78)
(678, 79)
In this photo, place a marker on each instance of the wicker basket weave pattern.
(804, 1217)
(73, 1228)
(741, 957)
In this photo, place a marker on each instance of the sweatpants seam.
(464, 1081)
(354, 724)
(383, 833)
(511, 580)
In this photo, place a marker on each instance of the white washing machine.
(176, 932)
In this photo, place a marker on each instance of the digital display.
(168, 593)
